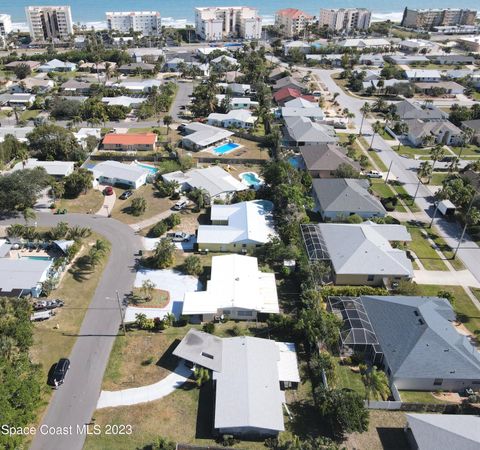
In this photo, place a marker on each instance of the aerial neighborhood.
(231, 231)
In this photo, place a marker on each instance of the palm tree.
(79, 232)
(28, 214)
(376, 384)
(376, 127)
(424, 171)
(436, 153)
(16, 230)
(365, 109)
(402, 129)
(100, 246)
(465, 137)
(454, 164)
(167, 121)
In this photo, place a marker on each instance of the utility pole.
(465, 226)
(121, 313)
(389, 169)
(416, 191)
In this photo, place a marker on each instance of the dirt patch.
(451, 397)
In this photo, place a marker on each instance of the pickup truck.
(47, 304)
(179, 236)
(42, 315)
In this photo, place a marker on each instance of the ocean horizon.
(92, 12)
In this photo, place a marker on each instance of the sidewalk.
(444, 278)
(152, 220)
(148, 393)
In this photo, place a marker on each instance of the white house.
(23, 276)
(238, 118)
(55, 65)
(57, 169)
(200, 136)
(238, 227)
(419, 75)
(114, 172)
(238, 102)
(237, 289)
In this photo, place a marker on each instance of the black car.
(126, 195)
(61, 369)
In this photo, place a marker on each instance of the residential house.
(200, 136)
(224, 62)
(216, 182)
(300, 131)
(236, 89)
(83, 134)
(414, 338)
(289, 82)
(302, 47)
(473, 125)
(371, 59)
(277, 74)
(145, 54)
(458, 74)
(239, 227)
(441, 431)
(339, 198)
(322, 160)
(442, 132)
(137, 86)
(134, 68)
(423, 75)
(20, 133)
(237, 289)
(231, 76)
(21, 101)
(286, 94)
(56, 169)
(55, 65)
(130, 142)
(407, 59)
(313, 113)
(408, 109)
(32, 64)
(334, 59)
(238, 102)
(100, 67)
(386, 83)
(23, 276)
(449, 87)
(236, 118)
(248, 376)
(452, 59)
(360, 254)
(116, 173)
(32, 85)
(361, 43)
(417, 45)
(125, 101)
(76, 87)
(471, 43)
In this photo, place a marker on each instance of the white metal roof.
(54, 168)
(120, 171)
(236, 282)
(22, 273)
(288, 365)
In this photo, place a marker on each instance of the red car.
(108, 190)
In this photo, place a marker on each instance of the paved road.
(75, 402)
(182, 98)
(404, 169)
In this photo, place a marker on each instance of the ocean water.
(93, 11)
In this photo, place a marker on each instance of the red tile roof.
(293, 13)
(286, 92)
(130, 139)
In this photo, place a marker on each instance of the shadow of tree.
(82, 269)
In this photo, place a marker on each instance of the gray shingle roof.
(413, 110)
(302, 129)
(418, 338)
(346, 195)
(445, 431)
(326, 156)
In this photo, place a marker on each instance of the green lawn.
(386, 135)
(30, 114)
(84, 203)
(407, 150)
(424, 251)
(385, 190)
(374, 155)
(419, 397)
(445, 249)
(438, 177)
(469, 150)
(406, 197)
(346, 378)
(467, 312)
(476, 95)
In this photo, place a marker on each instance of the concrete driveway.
(168, 280)
(148, 393)
(182, 98)
(444, 278)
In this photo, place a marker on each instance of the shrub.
(192, 265)
(173, 220)
(158, 229)
(209, 327)
(138, 206)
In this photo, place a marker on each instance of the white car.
(374, 174)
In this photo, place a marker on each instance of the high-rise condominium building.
(292, 22)
(429, 18)
(345, 19)
(216, 23)
(5, 24)
(49, 22)
(146, 22)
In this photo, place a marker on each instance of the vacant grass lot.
(467, 312)
(84, 203)
(155, 205)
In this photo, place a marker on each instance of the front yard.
(423, 249)
(155, 205)
(84, 203)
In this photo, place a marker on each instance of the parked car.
(374, 174)
(39, 316)
(179, 236)
(61, 369)
(182, 204)
(108, 190)
(48, 304)
(126, 195)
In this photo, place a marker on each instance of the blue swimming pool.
(38, 258)
(252, 179)
(295, 161)
(225, 148)
(151, 169)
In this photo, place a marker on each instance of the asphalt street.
(73, 404)
(185, 89)
(405, 170)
